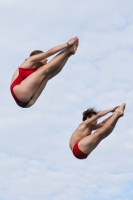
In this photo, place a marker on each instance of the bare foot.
(74, 47)
(121, 109)
(72, 41)
(77, 42)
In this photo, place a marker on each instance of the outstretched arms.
(99, 115)
(99, 125)
(105, 112)
(52, 51)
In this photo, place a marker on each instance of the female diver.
(31, 77)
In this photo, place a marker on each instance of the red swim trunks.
(78, 153)
(23, 74)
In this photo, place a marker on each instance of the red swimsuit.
(23, 74)
(78, 153)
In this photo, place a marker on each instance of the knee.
(104, 133)
(101, 133)
(46, 72)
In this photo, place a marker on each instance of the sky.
(35, 159)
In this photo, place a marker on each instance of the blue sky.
(36, 162)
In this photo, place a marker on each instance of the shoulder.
(82, 126)
(27, 63)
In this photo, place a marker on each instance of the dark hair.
(89, 112)
(35, 52)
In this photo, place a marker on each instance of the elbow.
(50, 52)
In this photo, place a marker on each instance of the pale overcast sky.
(35, 159)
